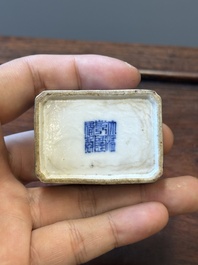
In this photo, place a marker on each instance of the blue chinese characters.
(100, 136)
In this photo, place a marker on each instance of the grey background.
(160, 22)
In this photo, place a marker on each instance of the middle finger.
(53, 204)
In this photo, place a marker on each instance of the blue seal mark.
(100, 136)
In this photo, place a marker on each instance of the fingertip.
(163, 215)
(158, 215)
(168, 138)
(184, 190)
(103, 72)
(135, 74)
(150, 218)
(178, 195)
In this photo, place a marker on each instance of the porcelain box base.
(98, 137)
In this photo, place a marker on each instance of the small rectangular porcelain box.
(98, 136)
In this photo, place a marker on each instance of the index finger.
(22, 79)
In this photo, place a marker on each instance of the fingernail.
(128, 64)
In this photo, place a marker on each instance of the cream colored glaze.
(61, 142)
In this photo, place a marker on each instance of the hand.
(73, 224)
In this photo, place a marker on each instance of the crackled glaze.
(61, 141)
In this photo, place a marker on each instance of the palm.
(71, 224)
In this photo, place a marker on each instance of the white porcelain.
(98, 137)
